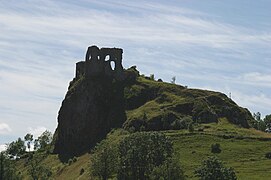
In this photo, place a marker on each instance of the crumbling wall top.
(106, 61)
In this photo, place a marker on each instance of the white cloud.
(4, 128)
(36, 132)
(256, 79)
(3, 147)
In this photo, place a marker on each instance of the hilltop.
(157, 105)
(111, 103)
(103, 95)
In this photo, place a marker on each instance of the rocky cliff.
(94, 103)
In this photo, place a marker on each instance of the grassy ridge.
(243, 149)
(159, 105)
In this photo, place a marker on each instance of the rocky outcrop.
(154, 105)
(94, 103)
(103, 93)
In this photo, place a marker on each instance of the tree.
(104, 160)
(37, 170)
(1, 166)
(16, 148)
(152, 77)
(190, 127)
(28, 138)
(173, 80)
(43, 140)
(7, 168)
(257, 116)
(215, 148)
(267, 120)
(261, 124)
(141, 152)
(169, 170)
(213, 169)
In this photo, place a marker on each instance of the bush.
(141, 152)
(70, 162)
(104, 160)
(152, 77)
(212, 168)
(169, 170)
(38, 171)
(215, 148)
(74, 159)
(82, 171)
(190, 127)
(268, 155)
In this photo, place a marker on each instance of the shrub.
(268, 155)
(190, 127)
(104, 160)
(70, 162)
(141, 152)
(82, 171)
(152, 77)
(38, 171)
(170, 170)
(212, 168)
(215, 148)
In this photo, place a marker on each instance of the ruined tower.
(104, 61)
(94, 103)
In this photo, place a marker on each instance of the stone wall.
(100, 62)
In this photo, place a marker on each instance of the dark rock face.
(93, 105)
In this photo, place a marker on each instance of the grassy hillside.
(243, 149)
(60, 170)
(156, 105)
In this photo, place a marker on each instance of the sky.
(216, 45)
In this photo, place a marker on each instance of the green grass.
(243, 149)
(153, 100)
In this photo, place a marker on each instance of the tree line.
(21, 148)
(149, 155)
(262, 124)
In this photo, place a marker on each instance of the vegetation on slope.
(241, 148)
(156, 105)
(194, 120)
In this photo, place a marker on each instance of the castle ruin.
(94, 106)
(101, 62)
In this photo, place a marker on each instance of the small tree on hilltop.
(267, 120)
(16, 148)
(213, 169)
(28, 138)
(173, 80)
(43, 140)
(152, 77)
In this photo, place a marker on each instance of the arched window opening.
(112, 64)
(107, 58)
